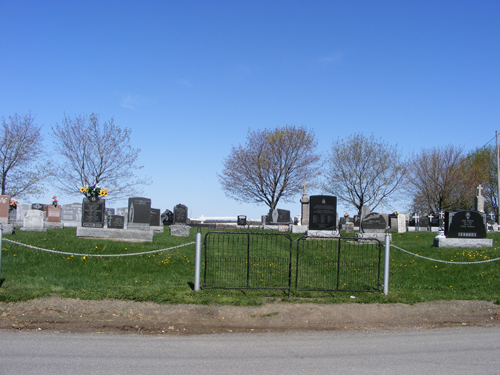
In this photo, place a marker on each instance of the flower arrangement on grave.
(396, 212)
(55, 200)
(13, 204)
(94, 191)
(346, 215)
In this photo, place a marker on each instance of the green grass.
(167, 276)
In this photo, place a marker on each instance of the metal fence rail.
(340, 264)
(247, 260)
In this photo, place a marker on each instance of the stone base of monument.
(365, 237)
(72, 224)
(299, 228)
(50, 225)
(127, 235)
(8, 228)
(442, 241)
(323, 233)
(157, 229)
(28, 229)
(180, 230)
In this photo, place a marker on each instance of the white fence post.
(197, 263)
(387, 256)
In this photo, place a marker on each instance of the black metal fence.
(248, 260)
(340, 264)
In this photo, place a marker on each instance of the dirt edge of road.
(56, 314)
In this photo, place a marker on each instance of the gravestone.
(139, 213)
(423, 223)
(21, 209)
(393, 222)
(34, 221)
(71, 215)
(38, 206)
(349, 227)
(365, 210)
(479, 200)
(241, 220)
(373, 223)
(53, 214)
(465, 224)
(123, 211)
(116, 222)
(4, 209)
(155, 217)
(323, 212)
(278, 217)
(167, 217)
(180, 214)
(93, 213)
(12, 215)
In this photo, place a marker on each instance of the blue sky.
(190, 78)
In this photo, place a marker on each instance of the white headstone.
(33, 221)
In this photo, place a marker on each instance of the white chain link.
(444, 261)
(97, 255)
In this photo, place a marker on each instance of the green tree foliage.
(23, 169)
(364, 171)
(96, 154)
(271, 165)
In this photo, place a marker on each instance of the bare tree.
(437, 179)
(363, 171)
(23, 169)
(96, 154)
(271, 166)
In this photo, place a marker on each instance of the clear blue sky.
(191, 77)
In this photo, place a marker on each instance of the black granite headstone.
(423, 223)
(465, 224)
(242, 220)
(322, 212)
(116, 221)
(155, 218)
(278, 217)
(139, 213)
(93, 213)
(37, 206)
(180, 214)
(167, 217)
(373, 223)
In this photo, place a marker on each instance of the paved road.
(456, 351)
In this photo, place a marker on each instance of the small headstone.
(423, 223)
(93, 213)
(20, 211)
(155, 217)
(323, 212)
(242, 220)
(123, 211)
(465, 224)
(373, 223)
(139, 213)
(167, 217)
(38, 206)
(180, 214)
(4, 209)
(71, 215)
(33, 221)
(116, 222)
(12, 215)
(349, 227)
(53, 213)
(277, 217)
(365, 210)
(479, 200)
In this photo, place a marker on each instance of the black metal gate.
(247, 260)
(338, 264)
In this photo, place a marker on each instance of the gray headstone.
(33, 221)
(155, 217)
(116, 222)
(278, 216)
(139, 213)
(180, 214)
(373, 223)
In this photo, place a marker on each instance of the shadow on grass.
(1, 282)
(190, 284)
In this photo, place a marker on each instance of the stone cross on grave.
(431, 217)
(304, 185)
(479, 188)
(416, 217)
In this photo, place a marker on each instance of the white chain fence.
(444, 261)
(97, 255)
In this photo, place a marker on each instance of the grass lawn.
(167, 276)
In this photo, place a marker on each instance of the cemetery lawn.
(168, 276)
(153, 293)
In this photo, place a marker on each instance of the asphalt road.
(466, 350)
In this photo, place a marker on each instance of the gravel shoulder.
(112, 316)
